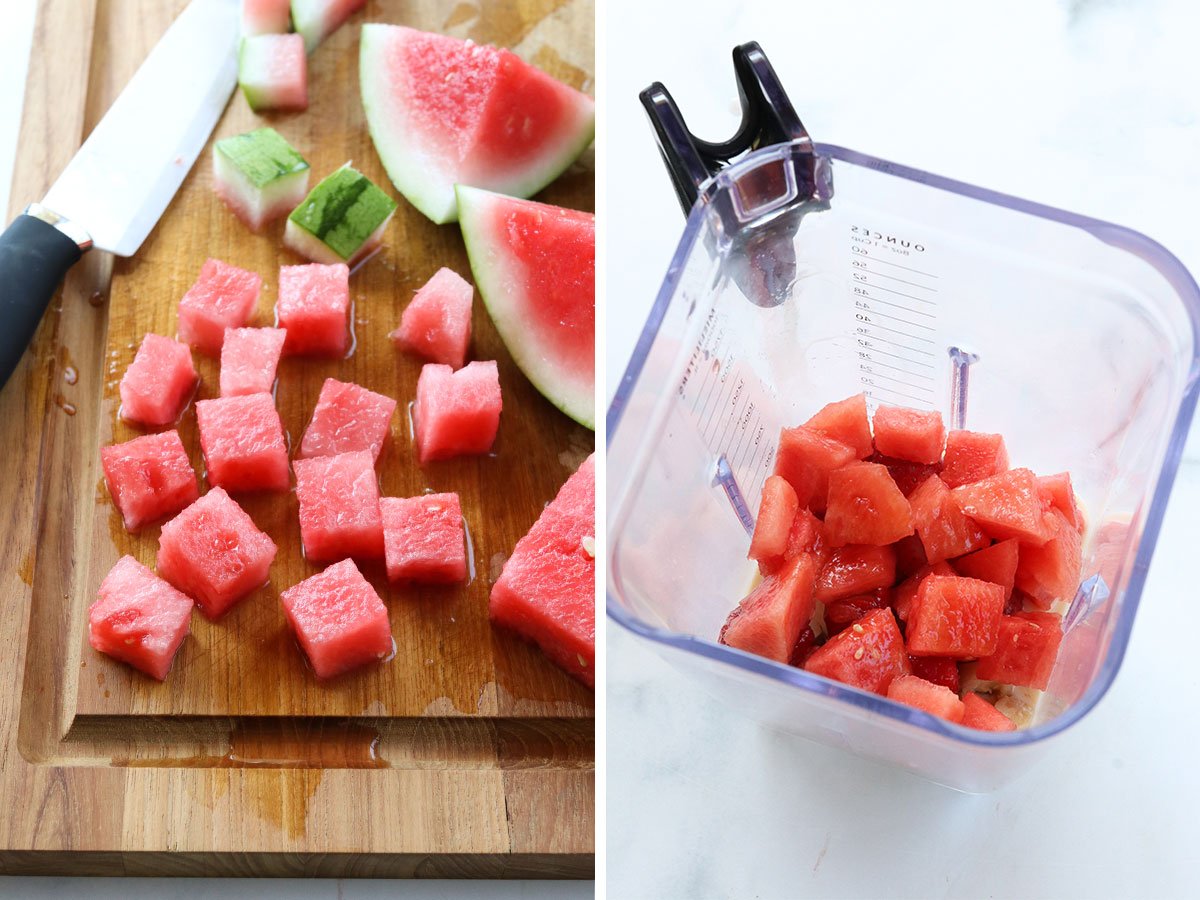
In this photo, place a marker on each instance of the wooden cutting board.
(466, 754)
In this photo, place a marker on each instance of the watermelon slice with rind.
(535, 267)
(443, 111)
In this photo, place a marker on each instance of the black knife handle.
(34, 257)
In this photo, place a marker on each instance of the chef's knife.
(118, 184)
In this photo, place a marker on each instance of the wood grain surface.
(466, 754)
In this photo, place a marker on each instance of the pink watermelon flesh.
(214, 552)
(149, 477)
(423, 538)
(547, 590)
(249, 359)
(339, 507)
(347, 418)
(339, 620)
(457, 413)
(443, 111)
(224, 296)
(273, 72)
(314, 307)
(535, 267)
(266, 17)
(158, 383)
(138, 618)
(436, 325)
(242, 440)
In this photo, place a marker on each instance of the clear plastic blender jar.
(807, 273)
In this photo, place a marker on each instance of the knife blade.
(121, 180)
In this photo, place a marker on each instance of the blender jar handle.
(768, 117)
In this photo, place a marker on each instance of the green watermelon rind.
(493, 283)
(418, 180)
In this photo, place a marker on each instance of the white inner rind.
(424, 179)
(257, 206)
(311, 247)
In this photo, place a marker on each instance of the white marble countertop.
(1090, 105)
(14, 54)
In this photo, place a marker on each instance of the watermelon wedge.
(535, 267)
(442, 112)
(546, 591)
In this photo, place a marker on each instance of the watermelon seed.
(582, 661)
(858, 629)
(858, 654)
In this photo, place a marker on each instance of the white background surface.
(1091, 105)
(15, 35)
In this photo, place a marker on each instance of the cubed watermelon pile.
(892, 553)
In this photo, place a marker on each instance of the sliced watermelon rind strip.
(413, 168)
(498, 277)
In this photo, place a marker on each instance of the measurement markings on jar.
(894, 321)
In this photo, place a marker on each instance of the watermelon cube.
(978, 713)
(955, 617)
(242, 440)
(424, 539)
(314, 307)
(865, 507)
(1006, 506)
(841, 614)
(273, 72)
(149, 477)
(138, 618)
(339, 620)
(339, 507)
(776, 514)
(908, 475)
(937, 669)
(266, 17)
(158, 383)
(457, 413)
(342, 219)
(315, 20)
(909, 434)
(436, 325)
(224, 296)
(868, 655)
(997, 564)
(1056, 491)
(347, 418)
(805, 458)
(847, 422)
(906, 591)
(1051, 572)
(972, 456)
(944, 531)
(213, 552)
(1026, 649)
(249, 359)
(259, 176)
(935, 699)
(856, 569)
(769, 620)
(547, 589)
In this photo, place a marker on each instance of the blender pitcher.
(809, 272)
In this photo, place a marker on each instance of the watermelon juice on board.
(808, 273)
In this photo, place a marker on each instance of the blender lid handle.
(768, 117)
